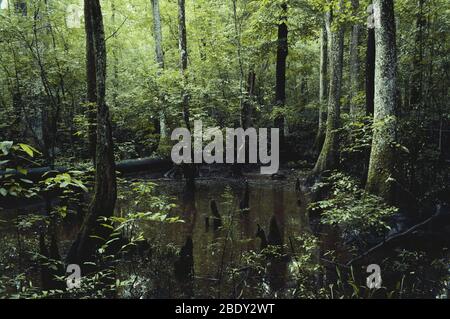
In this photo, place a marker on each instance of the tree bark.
(21, 7)
(416, 82)
(280, 87)
(157, 33)
(105, 188)
(159, 55)
(328, 158)
(247, 104)
(381, 165)
(115, 80)
(243, 104)
(323, 86)
(182, 43)
(370, 71)
(354, 63)
(91, 82)
(188, 169)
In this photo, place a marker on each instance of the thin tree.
(323, 87)
(417, 78)
(159, 55)
(93, 233)
(354, 61)
(188, 169)
(280, 86)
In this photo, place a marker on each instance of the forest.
(314, 161)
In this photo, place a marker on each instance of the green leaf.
(22, 170)
(27, 149)
(5, 146)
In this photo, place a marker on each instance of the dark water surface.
(215, 251)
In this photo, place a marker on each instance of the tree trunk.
(188, 169)
(105, 189)
(416, 81)
(370, 71)
(21, 7)
(323, 79)
(157, 33)
(159, 55)
(381, 165)
(280, 87)
(354, 63)
(115, 48)
(247, 104)
(91, 96)
(243, 103)
(182, 43)
(328, 158)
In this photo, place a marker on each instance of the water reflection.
(215, 248)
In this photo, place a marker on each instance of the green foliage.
(64, 180)
(351, 208)
(356, 137)
(13, 160)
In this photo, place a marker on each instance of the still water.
(215, 250)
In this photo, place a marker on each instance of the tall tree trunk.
(182, 43)
(91, 82)
(354, 62)
(280, 87)
(159, 55)
(370, 71)
(105, 189)
(188, 169)
(237, 30)
(115, 79)
(381, 165)
(323, 86)
(416, 81)
(157, 33)
(328, 158)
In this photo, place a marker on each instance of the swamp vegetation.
(91, 91)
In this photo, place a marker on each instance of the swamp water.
(225, 261)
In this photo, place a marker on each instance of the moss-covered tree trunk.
(381, 166)
(328, 158)
(323, 86)
(103, 202)
(354, 63)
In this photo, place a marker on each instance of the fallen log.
(149, 165)
(152, 166)
(394, 237)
